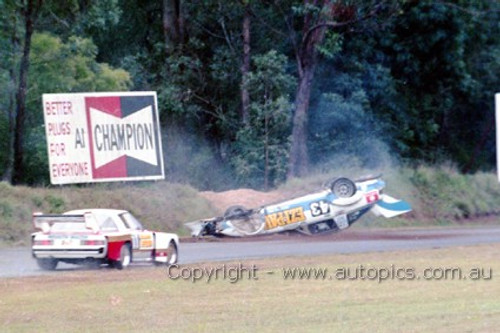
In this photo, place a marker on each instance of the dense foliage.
(238, 80)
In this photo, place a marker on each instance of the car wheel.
(172, 253)
(245, 221)
(125, 257)
(47, 264)
(343, 187)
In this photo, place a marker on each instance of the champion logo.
(123, 133)
(132, 136)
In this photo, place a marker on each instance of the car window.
(108, 225)
(131, 222)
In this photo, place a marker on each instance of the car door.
(142, 240)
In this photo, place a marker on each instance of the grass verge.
(145, 299)
(160, 205)
(438, 195)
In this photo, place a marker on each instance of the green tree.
(317, 19)
(262, 144)
(28, 11)
(418, 75)
(59, 67)
(20, 21)
(10, 30)
(434, 50)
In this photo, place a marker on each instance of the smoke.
(346, 136)
(190, 159)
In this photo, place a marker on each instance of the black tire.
(172, 255)
(125, 257)
(47, 264)
(237, 212)
(343, 187)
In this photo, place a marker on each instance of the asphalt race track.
(17, 262)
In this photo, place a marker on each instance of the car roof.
(96, 210)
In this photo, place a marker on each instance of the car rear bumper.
(72, 253)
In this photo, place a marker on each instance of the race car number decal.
(285, 217)
(319, 208)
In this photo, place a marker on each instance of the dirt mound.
(246, 197)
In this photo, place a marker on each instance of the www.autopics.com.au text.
(235, 273)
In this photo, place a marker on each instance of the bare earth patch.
(246, 197)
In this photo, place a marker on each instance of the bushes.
(438, 195)
(445, 194)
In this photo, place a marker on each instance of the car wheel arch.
(125, 258)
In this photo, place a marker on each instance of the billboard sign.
(103, 137)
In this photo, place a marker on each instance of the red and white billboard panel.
(101, 137)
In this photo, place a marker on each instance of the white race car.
(335, 208)
(99, 236)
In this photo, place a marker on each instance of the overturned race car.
(99, 236)
(335, 208)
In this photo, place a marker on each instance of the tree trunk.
(29, 14)
(7, 175)
(245, 67)
(173, 25)
(299, 157)
(307, 60)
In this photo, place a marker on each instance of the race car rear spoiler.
(43, 222)
(390, 207)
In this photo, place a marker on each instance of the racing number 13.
(320, 208)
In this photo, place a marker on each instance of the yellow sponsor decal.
(146, 241)
(285, 217)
